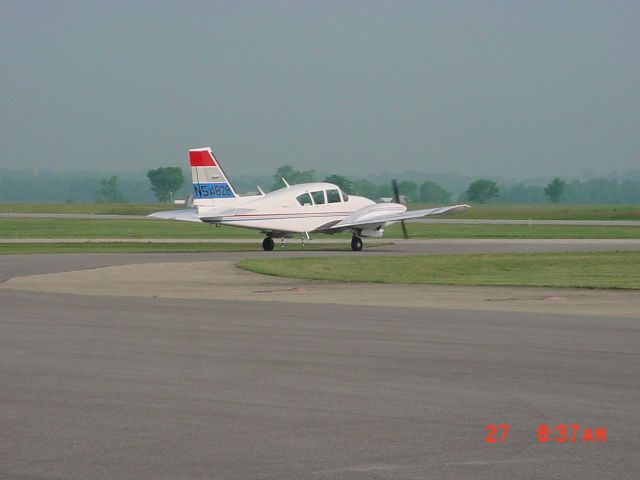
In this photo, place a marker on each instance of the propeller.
(396, 198)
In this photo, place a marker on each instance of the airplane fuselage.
(299, 208)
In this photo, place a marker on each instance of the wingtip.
(459, 208)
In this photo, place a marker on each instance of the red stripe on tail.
(201, 158)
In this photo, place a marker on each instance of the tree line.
(479, 191)
(168, 183)
(165, 183)
(412, 191)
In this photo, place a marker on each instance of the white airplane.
(296, 209)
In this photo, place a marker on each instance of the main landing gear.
(356, 243)
(267, 244)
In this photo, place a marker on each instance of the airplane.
(302, 209)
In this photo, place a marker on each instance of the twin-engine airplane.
(296, 209)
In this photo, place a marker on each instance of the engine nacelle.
(377, 233)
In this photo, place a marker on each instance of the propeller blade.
(396, 192)
(405, 234)
(396, 198)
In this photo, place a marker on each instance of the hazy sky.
(505, 88)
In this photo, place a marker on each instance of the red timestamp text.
(561, 433)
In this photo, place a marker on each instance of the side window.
(304, 199)
(333, 196)
(345, 197)
(318, 197)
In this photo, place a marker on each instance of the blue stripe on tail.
(212, 190)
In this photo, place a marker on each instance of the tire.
(356, 244)
(267, 244)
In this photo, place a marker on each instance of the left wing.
(375, 221)
(185, 215)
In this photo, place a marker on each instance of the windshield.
(333, 196)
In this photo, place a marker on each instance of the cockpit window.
(318, 197)
(304, 199)
(333, 196)
(345, 197)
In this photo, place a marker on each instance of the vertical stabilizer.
(209, 181)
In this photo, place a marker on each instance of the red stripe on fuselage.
(201, 158)
(284, 214)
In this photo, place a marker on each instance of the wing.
(375, 221)
(185, 215)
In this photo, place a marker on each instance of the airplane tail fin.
(209, 181)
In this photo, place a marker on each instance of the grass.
(494, 211)
(546, 212)
(91, 208)
(421, 230)
(620, 270)
(133, 247)
(104, 228)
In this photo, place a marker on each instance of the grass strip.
(109, 228)
(136, 247)
(547, 212)
(619, 270)
(86, 208)
(484, 212)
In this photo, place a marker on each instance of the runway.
(387, 246)
(162, 388)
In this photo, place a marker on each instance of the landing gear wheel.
(267, 244)
(356, 244)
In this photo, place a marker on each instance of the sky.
(504, 88)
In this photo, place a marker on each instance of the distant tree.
(462, 198)
(385, 190)
(520, 193)
(555, 190)
(482, 191)
(109, 191)
(343, 182)
(292, 176)
(165, 181)
(409, 189)
(364, 188)
(285, 171)
(431, 192)
(630, 191)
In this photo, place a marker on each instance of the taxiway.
(130, 386)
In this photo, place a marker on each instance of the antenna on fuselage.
(285, 182)
(260, 190)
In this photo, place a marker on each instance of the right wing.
(369, 221)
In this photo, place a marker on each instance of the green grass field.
(90, 208)
(620, 270)
(546, 212)
(104, 228)
(18, 228)
(133, 247)
(421, 230)
(494, 211)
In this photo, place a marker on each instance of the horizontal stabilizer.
(185, 215)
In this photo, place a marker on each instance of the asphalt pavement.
(163, 388)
